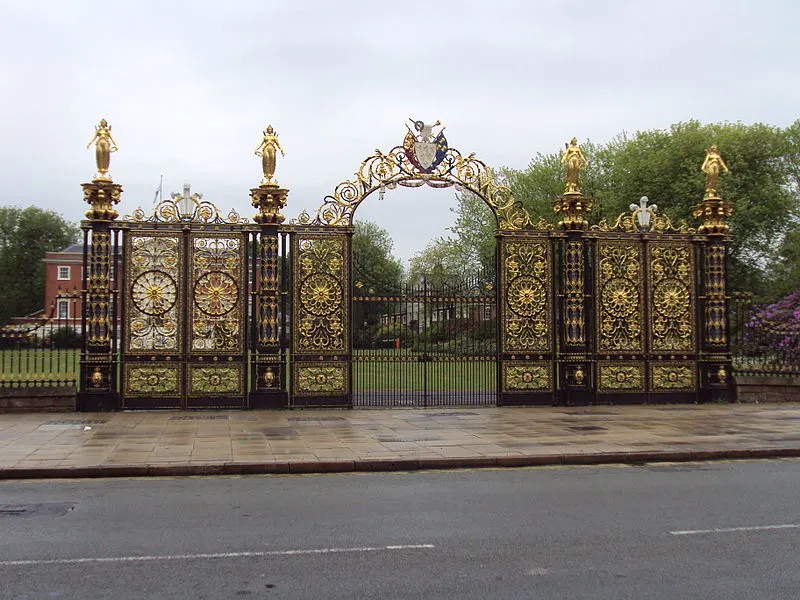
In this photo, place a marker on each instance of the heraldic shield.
(425, 149)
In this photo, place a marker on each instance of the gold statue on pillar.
(104, 145)
(575, 162)
(267, 150)
(711, 167)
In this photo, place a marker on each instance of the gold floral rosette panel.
(527, 376)
(672, 300)
(217, 280)
(318, 379)
(153, 304)
(320, 300)
(619, 283)
(527, 308)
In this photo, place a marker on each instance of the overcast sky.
(188, 87)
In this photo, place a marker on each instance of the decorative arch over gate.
(423, 159)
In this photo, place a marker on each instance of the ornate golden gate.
(186, 308)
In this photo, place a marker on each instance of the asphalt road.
(717, 530)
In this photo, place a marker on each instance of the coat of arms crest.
(425, 149)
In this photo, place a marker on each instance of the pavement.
(146, 444)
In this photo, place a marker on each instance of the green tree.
(375, 273)
(25, 235)
(473, 234)
(374, 266)
(441, 264)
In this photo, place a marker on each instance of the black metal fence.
(43, 350)
(765, 338)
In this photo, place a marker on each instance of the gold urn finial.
(575, 162)
(268, 151)
(104, 145)
(713, 210)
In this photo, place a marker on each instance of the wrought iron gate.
(200, 310)
(184, 318)
(430, 344)
(320, 323)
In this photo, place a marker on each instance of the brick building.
(63, 278)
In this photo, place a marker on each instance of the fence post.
(268, 386)
(576, 379)
(98, 378)
(716, 383)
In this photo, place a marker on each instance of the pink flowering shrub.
(773, 330)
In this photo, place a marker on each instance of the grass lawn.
(28, 364)
(388, 370)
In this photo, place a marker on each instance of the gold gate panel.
(184, 324)
(320, 315)
(645, 316)
(217, 309)
(527, 308)
(672, 284)
(320, 297)
(620, 310)
(154, 302)
(216, 280)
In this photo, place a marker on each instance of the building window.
(63, 308)
(487, 312)
(63, 273)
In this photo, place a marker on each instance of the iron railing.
(765, 338)
(429, 344)
(43, 350)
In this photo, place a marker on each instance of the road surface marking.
(731, 529)
(265, 553)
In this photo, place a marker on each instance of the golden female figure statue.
(575, 161)
(104, 145)
(267, 151)
(711, 167)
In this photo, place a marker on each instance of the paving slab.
(129, 444)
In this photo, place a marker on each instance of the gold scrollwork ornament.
(423, 159)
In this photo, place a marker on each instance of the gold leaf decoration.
(320, 305)
(215, 380)
(526, 278)
(619, 304)
(153, 306)
(621, 378)
(672, 377)
(159, 381)
(321, 380)
(672, 297)
(535, 377)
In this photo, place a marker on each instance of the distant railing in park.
(43, 351)
(765, 338)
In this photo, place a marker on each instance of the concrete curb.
(388, 465)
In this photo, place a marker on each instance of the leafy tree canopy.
(25, 235)
(374, 265)
(443, 263)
